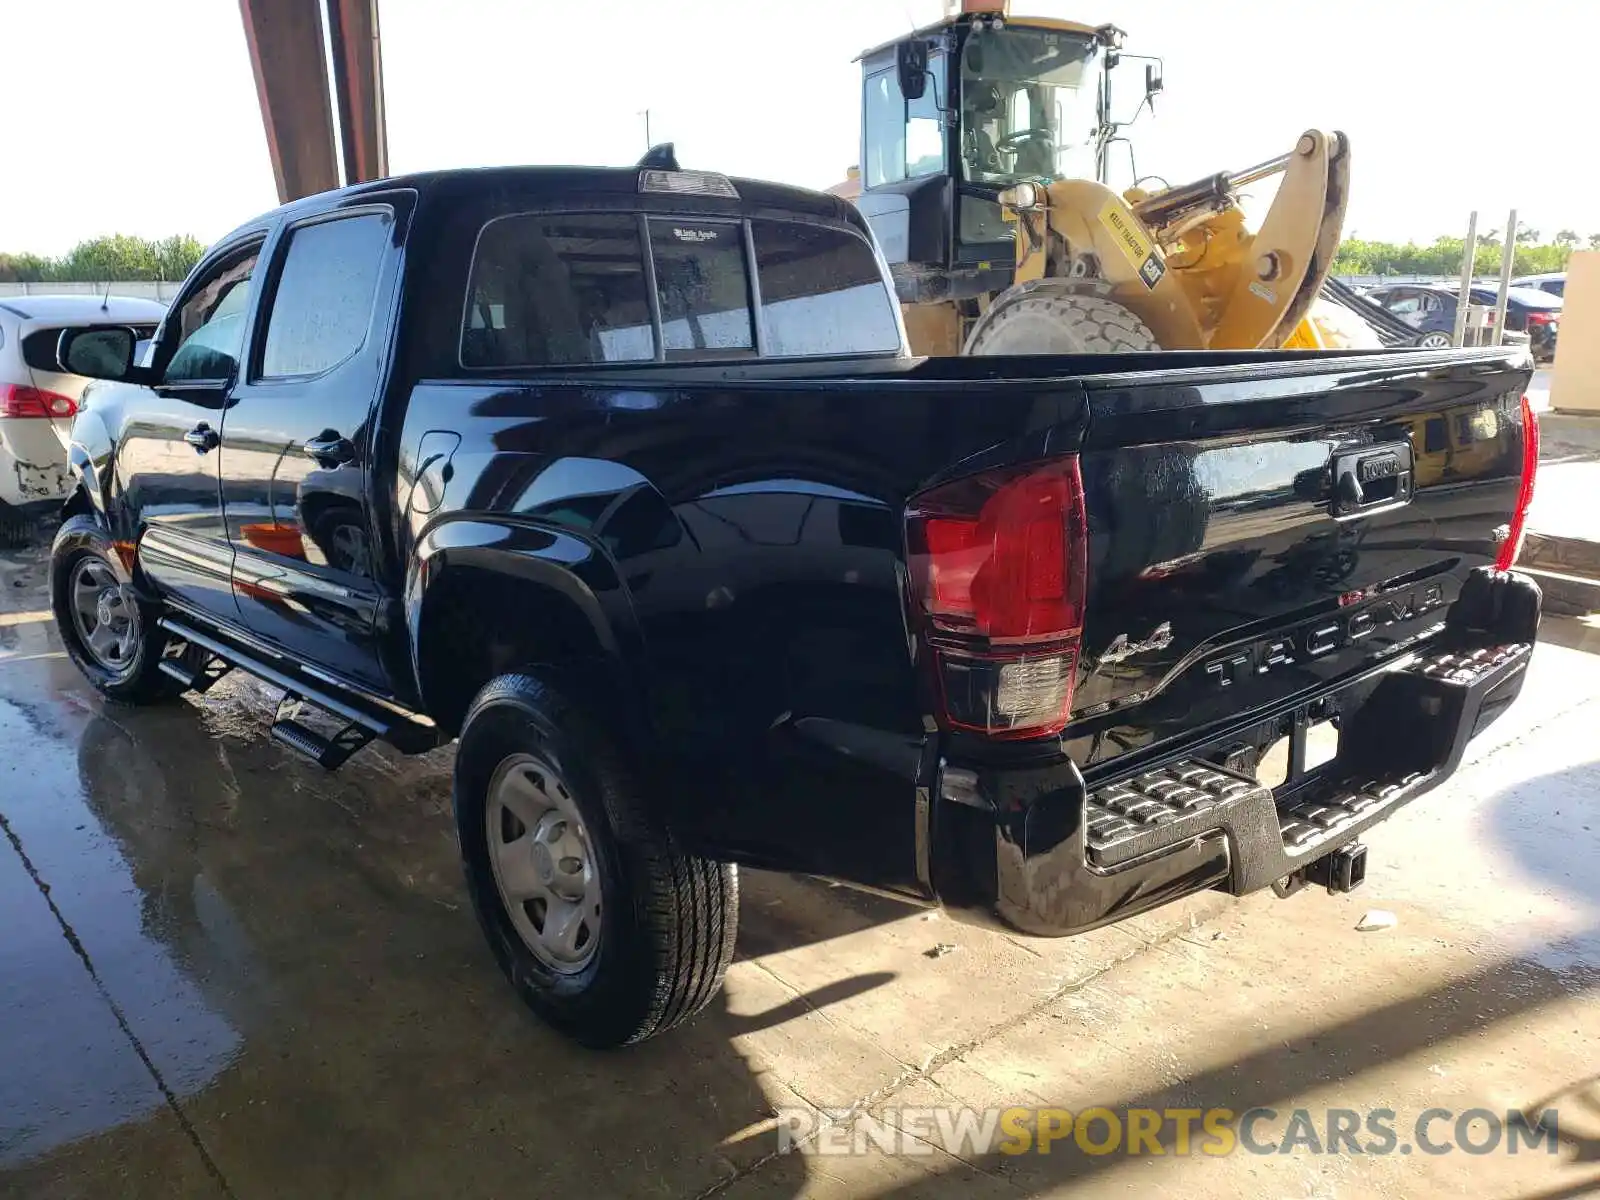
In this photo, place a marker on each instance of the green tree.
(1594, 241)
(1527, 237)
(1567, 238)
(115, 258)
(177, 255)
(22, 268)
(1361, 256)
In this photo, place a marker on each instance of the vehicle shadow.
(368, 1044)
(1547, 827)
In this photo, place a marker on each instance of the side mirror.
(97, 351)
(1153, 85)
(911, 68)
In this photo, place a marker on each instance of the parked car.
(1533, 317)
(37, 401)
(1554, 282)
(661, 522)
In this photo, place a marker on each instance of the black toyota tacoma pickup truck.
(624, 480)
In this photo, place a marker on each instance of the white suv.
(38, 402)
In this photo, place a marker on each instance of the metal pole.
(1468, 256)
(1508, 259)
(647, 142)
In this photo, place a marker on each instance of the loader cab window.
(1029, 105)
(904, 139)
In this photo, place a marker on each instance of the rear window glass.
(553, 289)
(705, 293)
(821, 292)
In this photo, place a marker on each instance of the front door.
(298, 435)
(167, 461)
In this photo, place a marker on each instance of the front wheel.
(109, 632)
(605, 927)
(1434, 341)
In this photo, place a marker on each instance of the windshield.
(1029, 105)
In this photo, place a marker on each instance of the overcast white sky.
(146, 121)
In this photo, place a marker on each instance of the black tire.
(668, 919)
(139, 679)
(1058, 316)
(1434, 341)
(16, 530)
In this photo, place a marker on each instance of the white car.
(1554, 282)
(38, 402)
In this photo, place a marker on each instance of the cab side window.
(211, 323)
(322, 304)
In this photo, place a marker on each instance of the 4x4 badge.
(1121, 648)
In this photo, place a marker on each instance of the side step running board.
(329, 751)
(361, 724)
(194, 679)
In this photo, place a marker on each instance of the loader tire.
(1055, 316)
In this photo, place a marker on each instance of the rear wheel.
(1434, 341)
(603, 925)
(1055, 316)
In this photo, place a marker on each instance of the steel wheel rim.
(544, 863)
(105, 615)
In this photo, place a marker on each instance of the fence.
(143, 289)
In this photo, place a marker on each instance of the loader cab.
(954, 114)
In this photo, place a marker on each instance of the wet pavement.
(224, 972)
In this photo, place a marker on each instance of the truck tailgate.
(1256, 535)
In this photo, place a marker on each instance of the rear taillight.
(1512, 546)
(998, 564)
(19, 401)
(1541, 318)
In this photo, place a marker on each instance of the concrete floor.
(223, 972)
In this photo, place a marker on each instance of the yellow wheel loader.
(984, 150)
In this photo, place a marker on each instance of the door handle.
(202, 437)
(1372, 480)
(329, 449)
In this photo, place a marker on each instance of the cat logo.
(1142, 254)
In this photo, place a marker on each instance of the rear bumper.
(33, 463)
(1050, 855)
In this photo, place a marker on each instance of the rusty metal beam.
(358, 88)
(287, 56)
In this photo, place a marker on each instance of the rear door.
(297, 440)
(1405, 303)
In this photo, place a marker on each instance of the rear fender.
(577, 610)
